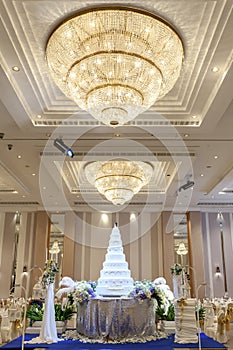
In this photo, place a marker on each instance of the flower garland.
(176, 269)
(84, 291)
(49, 274)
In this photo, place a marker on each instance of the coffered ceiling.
(186, 135)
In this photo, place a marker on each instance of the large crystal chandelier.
(118, 180)
(114, 62)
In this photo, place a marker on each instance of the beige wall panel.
(23, 251)
(168, 248)
(134, 249)
(69, 236)
(2, 225)
(125, 234)
(40, 244)
(68, 258)
(196, 247)
(156, 250)
(6, 262)
(145, 260)
(101, 229)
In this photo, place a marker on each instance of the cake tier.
(114, 273)
(115, 250)
(113, 286)
(115, 282)
(111, 265)
(115, 241)
(115, 257)
(113, 292)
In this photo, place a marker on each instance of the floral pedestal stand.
(48, 333)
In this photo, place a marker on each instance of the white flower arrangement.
(149, 290)
(82, 291)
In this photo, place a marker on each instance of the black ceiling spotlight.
(187, 185)
(59, 144)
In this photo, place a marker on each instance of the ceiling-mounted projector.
(188, 184)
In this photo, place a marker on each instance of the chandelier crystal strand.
(118, 180)
(114, 62)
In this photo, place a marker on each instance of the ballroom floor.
(229, 344)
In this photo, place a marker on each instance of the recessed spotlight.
(15, 68)
(202, 174)
(39, 116)
(117, 135)
(15, 191)
(19, 156)
(132, 217)
(215, 69)
(105, 217)
(186, 135)
(215, 157)
(23, 196)
(33, 174)
(44, 188)
(212, 197)
(194, 116)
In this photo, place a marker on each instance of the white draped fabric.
(48, 333)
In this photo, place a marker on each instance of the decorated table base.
(115, 319)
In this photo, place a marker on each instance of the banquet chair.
(221, 329)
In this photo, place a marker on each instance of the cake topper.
(115, 224)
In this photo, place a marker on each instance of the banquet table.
(116, 318)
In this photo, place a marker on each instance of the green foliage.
(201, 313)
(169, 316)
(176, 269)
(63, 315)
(35, 312)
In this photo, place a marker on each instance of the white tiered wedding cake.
(115, 277)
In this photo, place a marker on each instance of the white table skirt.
(115, 319)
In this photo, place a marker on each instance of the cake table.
(116, 318)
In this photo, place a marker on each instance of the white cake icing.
(115, 257)
(115, 265)
(115, 277)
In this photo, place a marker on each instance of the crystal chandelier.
(55, 248)
(114, 62)
(182, 249)
(118, 180)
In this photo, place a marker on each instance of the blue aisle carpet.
(162, 344)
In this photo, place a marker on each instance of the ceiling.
(187, 135)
